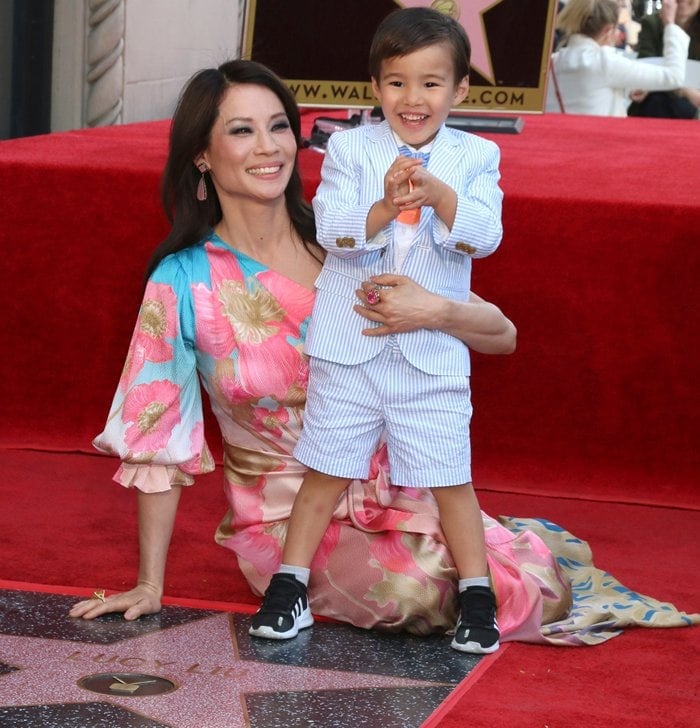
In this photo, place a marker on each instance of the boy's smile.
(417, 92)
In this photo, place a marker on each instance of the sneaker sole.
(474, 648)
(306, 620)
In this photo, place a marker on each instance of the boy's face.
(417, 92)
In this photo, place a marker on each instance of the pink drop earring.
(202, 184)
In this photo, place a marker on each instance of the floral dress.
(212, 317)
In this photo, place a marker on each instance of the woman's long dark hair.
(190, 130)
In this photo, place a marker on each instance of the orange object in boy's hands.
(409, 217)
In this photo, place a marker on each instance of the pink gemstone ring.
(373, 296)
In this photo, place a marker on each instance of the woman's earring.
(202, 184)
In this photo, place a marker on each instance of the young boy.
(380, 211)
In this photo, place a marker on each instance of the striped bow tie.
(404, 151)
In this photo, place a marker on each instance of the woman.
(683, 102)
(589, 76)
(227, 302)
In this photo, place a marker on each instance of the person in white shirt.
(589, 76)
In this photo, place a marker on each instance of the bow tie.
(406, 152)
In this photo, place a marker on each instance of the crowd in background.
(626, 58)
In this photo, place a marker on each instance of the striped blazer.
(352, 180)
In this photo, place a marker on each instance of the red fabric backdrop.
(597, 269)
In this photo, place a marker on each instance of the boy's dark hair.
(407, 30)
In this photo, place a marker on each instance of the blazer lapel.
(383, 150)
(444, 155)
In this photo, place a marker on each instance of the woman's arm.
(407, 306)
(156, 517)
(622, 72)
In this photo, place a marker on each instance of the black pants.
(663, 105)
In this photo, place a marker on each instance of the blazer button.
(465, 248)
(345, 242)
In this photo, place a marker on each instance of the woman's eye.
(281, 126)
(240, 130)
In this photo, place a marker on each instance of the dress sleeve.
(155, 425)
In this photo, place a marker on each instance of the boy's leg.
(311, 513)
(285, 608)
(463, 526)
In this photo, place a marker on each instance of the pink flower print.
(229, 313)
(294, 299)
(135, 359)
(157, 322)
(250, 503)
(272, 421)
(392, 553)
(269, 369)
(200, 458)
(379, 464)
(329, 543)
(376, 517)
(260, 548)
(227, 388)
(153, 410)
(250, 321)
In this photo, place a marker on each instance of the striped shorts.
(425, 417)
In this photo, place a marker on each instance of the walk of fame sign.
(320, 48)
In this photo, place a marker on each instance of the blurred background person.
(590, 76)
(682, 102)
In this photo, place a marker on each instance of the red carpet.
(597, 269)
(644, 679)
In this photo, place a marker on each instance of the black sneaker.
(477, 630)
(284, 611)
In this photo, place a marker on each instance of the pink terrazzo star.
(201, 658)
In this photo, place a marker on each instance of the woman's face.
(252, 148)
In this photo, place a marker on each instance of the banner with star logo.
(320, 48)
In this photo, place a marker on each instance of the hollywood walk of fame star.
(469, 13)
(209, 660)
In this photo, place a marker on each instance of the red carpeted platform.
(593, 422)
(597, 268)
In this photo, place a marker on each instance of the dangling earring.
(202, 184)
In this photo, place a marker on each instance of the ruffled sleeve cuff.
(151, 478)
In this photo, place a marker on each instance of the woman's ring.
(373, 296)
(99, 594)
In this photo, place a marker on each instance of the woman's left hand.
(403, 305)
(398, 304)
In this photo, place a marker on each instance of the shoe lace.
(478, 612)
(280, 597)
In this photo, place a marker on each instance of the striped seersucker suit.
(439, 259)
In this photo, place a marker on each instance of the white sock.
(474, 581)
(298, 572)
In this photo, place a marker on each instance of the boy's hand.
(396, 181)
(424, 190)
(421, 189)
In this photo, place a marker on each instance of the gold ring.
(99, 594)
